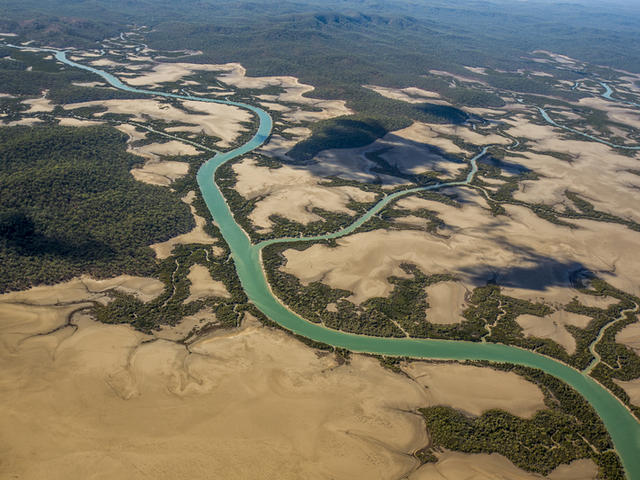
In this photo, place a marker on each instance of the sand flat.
(291, 193)
(409, 94)
(446, 302)
(203, 286)
(553, 327)
(162, 173)
(473, 137)
(561, 295)
(293, 92)
(477, 70)
(170, 148)
(257, 389)
(630, 336)
(253, 390)
(613, 189)
(278, 146)
(475, 390)
(217, 120)
(85, 288)
(28, 121)
(429, 134)
(519, 250)
(90, 398)
(75, 122)
(632, 387)
(615, 111)
(39, 105)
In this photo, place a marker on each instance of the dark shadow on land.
(508, 167)
(443, 113)
(375, 167)
(338, 133)
(18, 232)
(542, 273)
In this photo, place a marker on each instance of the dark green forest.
(68, 205)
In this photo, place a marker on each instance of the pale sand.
(557, 57)
(632, 388)
(411, 220)
(631, 83)
(105, 62)
(85, 288)
(276, 107)
(471, 136)
(172, 147)
(541, 74)
(23, 121)
(474, 390)
(482, 466)
(298, 131)
(197, 235)
(489, 112)
(203, 286)
(329, 109)
(88, 84)
(39, 105)
(460, 78)
(171, 72)
(187, 326)
(160, 173)
(74, 122)
(553, 327)
(409, 95)
(622, 135)
(430, 135)
(567, 114)
(139, 58)
(584, 469)
(86, 54)
(446, 302)
(223, 121)
(234, 74)
(132, 132)
(477, 70)
(613, 189)
(98, 397)
(561, 295)
(294, 92)
(615, 111)
(184, 128)
(133, 410)
(493, 181)
(519, 250)
(630, 336)
(291, 193)
(157, 172)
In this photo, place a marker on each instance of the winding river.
(621, 424)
